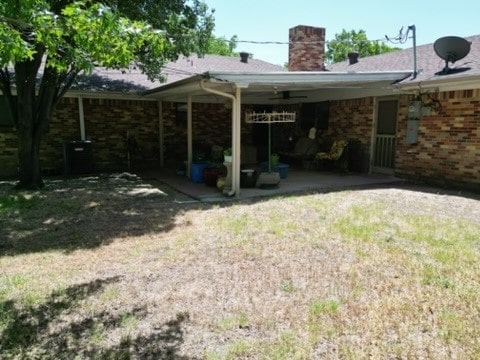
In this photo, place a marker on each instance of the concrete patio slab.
(297, 181)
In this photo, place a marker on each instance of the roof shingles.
(133, 80)
(428, 63)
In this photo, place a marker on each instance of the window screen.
(387, 117)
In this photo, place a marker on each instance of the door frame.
(374, 168)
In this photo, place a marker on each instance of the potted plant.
(274, 159)
(227, 155)
(211, 174)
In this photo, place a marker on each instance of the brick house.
(110, 106)
(446, 150)
(366, 102)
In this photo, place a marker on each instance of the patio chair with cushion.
(305, 149)
(335, 157)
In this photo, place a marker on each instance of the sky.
(270, 20)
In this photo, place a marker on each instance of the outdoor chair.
(304, 150)
(335, 157)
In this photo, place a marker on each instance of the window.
(181, 114)
(315, 115)
(6, 117)
(387, 117)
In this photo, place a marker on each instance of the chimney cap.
(244, 56)
(353, 57)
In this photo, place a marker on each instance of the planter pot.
(210, 175)
(227, 158)
(248, 178)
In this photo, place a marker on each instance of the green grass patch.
(129, 320)
(11, 203)
(289, 345)
(321, 307)
(239, 349)
(232, 322)
(287, 286)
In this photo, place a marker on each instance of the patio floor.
(297, 181)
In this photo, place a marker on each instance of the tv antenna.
(401, 39)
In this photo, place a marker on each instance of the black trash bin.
(78, 157)
(248, 178)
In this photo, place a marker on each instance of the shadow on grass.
(71, 214)
(50, 331)
(89, 212)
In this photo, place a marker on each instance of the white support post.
(189, 135)
(236, 131)
(160, 134)
(81, 118)
(236, 140)
(373, 134)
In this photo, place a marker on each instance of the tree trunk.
(29, 126)
(29, 172)
(34, 109)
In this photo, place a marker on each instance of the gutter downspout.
(235, 144)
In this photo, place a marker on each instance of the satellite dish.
(451, 49)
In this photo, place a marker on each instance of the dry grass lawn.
(114, 268)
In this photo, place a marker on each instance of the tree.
(45, 44)
(348, 41)
(220, 46)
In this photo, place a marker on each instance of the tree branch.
(16, 23)
(6, 87)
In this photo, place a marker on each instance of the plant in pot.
(211, 174)
(227, 155)
(274, 159)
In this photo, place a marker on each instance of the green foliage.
(71, 37)
(16, 202)
(353, 41)
(220, 46)
(87, 34)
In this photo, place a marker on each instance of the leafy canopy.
(115, 34)
(220, 46)
(357, 41)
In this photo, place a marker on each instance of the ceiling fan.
(286, 96)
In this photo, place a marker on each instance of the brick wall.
(64, 126)
(211, 125)
(107, 123)
(448, 147)
(8, 152)
(352, 120)
(447, 152)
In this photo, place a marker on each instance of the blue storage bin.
(196, 171)
(281, 168)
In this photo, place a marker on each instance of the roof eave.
(307, 76)
(449, 84)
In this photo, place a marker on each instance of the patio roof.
(272, 87)
(269, 88)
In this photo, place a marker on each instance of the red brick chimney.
(306, 48)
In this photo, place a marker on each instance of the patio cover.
(268, 88)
